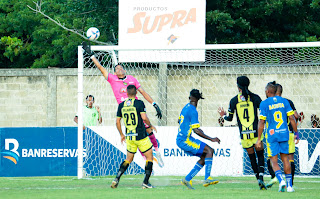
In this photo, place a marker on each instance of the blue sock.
(208, 163)
(194, 171)
(279, 175)
(289, 180)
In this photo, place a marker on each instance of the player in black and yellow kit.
(293, 140)
(133, 112)
(246, 105)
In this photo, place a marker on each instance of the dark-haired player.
(293, 140)
(247, 104)
(119, 82)
(188, 122)
(133, 112)
(91, 114)
(276, 110)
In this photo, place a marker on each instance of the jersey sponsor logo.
(125, 83)
(274, 99)
(12, 152)
(123, 90)
(128, 102)
(242, 98)
(275, 106)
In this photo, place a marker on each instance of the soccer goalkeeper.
(119, 82)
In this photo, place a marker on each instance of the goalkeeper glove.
(87, 48)
(159, 114)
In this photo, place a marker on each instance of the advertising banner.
(165, 24)
(38, 151)
(227, 158)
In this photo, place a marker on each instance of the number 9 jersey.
(274, 111)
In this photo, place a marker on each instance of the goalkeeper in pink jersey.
(119, 82)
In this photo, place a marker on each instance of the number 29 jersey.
(130, 111)
(274, 110)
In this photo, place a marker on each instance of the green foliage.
(12, 46)
(246, 21)
(29, 40)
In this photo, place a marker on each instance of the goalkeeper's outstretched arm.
(150, 100)
(87, 49)
(100, 67)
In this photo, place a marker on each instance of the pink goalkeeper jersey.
(119, 86)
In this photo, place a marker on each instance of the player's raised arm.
(87, 49)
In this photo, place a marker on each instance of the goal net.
(296, 66)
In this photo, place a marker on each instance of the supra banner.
(164, 24)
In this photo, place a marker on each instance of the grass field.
(166, 187)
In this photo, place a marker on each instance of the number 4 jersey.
(130, 111)
(274, 111)
(247, 114)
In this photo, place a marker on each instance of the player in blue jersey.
(188, 122)
(293, 140)
(274, 111)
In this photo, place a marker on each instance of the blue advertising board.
(38, 151)
(306, 156)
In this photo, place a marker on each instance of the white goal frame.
(80, 173)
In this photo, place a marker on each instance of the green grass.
(166, 187)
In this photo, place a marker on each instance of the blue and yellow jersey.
(188, 120)
(275, 111)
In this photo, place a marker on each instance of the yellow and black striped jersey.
(247, 114)
(130, 111)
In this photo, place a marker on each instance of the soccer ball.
(93, 33)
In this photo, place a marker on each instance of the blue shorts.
(274, 148)
(191, 146)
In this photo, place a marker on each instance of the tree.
(44, 43)
(247, 21)
(30, 39)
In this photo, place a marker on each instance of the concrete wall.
(48, 97)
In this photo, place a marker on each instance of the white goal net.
(296, 66)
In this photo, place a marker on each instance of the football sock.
(289, 180)
(261, 164)
(279, 175)
(148, 171)
(293, 168)
(123, 167)
(254, 164)
(208, 163)
(270, 169)
(194, 171)
(154, 141)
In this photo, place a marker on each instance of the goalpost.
(296, 66)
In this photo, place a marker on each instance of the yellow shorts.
(292, 145)
(248, 143)
(144, 145)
